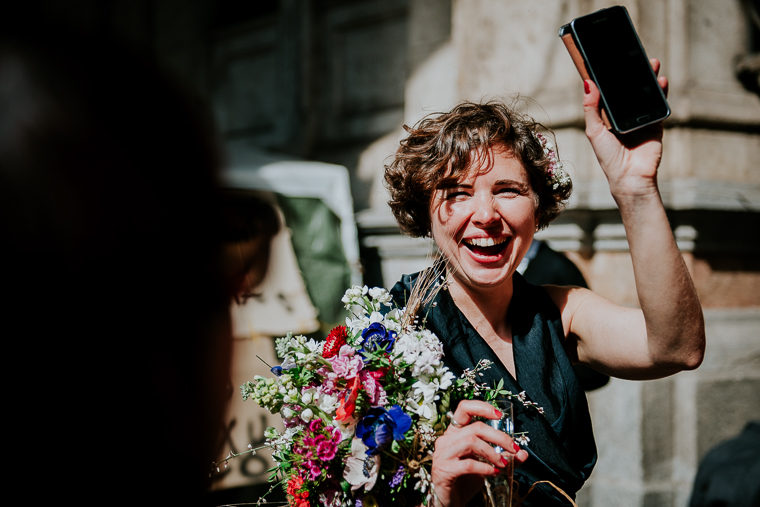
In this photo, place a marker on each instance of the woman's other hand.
(630, 161)
(465, 454)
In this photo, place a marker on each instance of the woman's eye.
(455, 194)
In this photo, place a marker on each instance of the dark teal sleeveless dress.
(562, 448)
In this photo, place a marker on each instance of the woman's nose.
(485, 212)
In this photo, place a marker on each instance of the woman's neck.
(485, 308)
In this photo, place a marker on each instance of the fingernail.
(515, 447)
(586, 87)
(496, 471)
(497, 413)
(504, 461)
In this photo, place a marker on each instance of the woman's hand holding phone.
(630, 161)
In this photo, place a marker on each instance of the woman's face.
(485, 223)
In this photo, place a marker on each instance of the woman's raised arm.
(667, 335)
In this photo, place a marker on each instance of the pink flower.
(326, 450)
(375, 392)
(315, 425)
(346, 367)
(315, 468)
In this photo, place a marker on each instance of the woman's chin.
(485, 278)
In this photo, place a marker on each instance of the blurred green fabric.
(319, 251)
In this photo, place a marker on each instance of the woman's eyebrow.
(449, 186)
(510, 182)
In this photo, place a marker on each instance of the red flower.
(348, 400)
(335, 340)
(379, 373)
(298, 498)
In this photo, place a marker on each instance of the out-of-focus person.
(250, 224)
(115, 315)
(729, 474)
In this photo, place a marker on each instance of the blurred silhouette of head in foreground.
(116, 316)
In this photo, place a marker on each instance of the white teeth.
(483, 242)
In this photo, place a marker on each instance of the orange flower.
(348, 400)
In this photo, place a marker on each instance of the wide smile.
(487, 247)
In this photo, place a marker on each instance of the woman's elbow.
(693, 354)
(693, 359)
(687, 356)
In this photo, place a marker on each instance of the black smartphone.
(606, 48)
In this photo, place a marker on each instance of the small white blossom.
(380, 295)
(328, 403)
(307, 415)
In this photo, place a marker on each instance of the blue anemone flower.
(380, 426)
(376, 338)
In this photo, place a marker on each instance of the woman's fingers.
(594, 123)
(477, 439)
(655, 63)
(468, 409)
(664, 84)
(470, 467)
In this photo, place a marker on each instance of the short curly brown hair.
(438, 152)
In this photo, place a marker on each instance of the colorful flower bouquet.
(362, 410)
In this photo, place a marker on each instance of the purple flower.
(380, 426)
(398, 476)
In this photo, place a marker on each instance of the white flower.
(328, 403)
(424, 410)
(357, 325)
(307, 395)
(522, 440)
(361, 469)
(391, 324)
(420, 349)
(427, 387)
(376, 292)
(306, 415)
(380, 295)
(354, 295)
(286, 413)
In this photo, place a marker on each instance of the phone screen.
(617, 62)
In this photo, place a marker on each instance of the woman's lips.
(488, 247)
